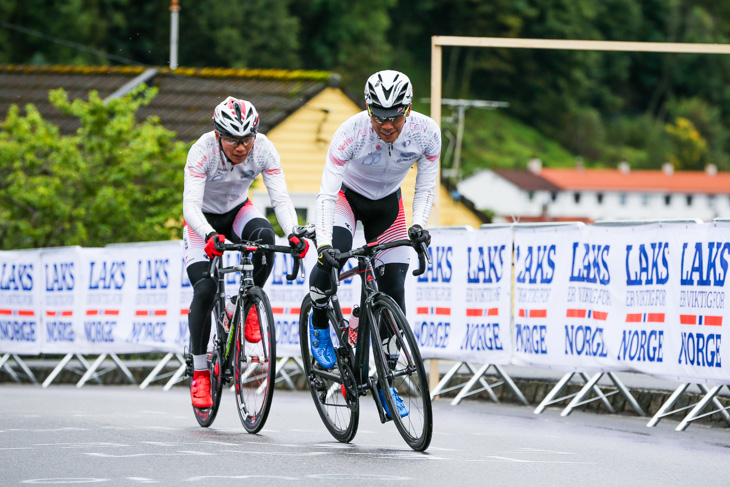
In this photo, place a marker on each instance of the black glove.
(327, 257)
(299, 245)
(419, 235)
(214, 244)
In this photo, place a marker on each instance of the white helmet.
(388, 93)
(235, 118)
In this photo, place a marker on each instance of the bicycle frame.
(246, 268)
(368, 292)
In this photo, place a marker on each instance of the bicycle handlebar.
(369, 250)
(260, 247)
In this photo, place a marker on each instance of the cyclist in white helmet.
(368, 159)
(220, 168)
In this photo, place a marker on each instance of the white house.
(551, 194)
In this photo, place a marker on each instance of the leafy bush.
(115, 180)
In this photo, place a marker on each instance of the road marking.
(82, 445)
(517, 460)
(65, 481)
(143, 480)
(136, 455)
(195, 479)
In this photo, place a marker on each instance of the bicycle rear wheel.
(254, 362)
(338, 406)
(399, 364)
(206, 416)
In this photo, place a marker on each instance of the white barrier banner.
(542, 270)
(133, 298)
(438, 302)
(484, 327)
(286, 296)
(697, 304)
(63, 303)
(21, 294)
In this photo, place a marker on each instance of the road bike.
(250, 365)
(384, 329)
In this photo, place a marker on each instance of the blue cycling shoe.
(320, 344)
(402, 408)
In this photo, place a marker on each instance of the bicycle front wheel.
(337, 405)
(400, 366)
(254, 359)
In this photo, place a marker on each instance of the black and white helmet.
(235, 118)
(388, 93)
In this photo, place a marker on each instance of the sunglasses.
(394, 120)
(233, 142)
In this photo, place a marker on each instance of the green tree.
(116, 180)
(688, 145)
(347, 37)
(251, 34)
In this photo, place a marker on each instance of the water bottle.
(353, 324)
(230, 309)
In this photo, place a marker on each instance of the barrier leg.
(5, 364)
(176, 377)
(629, 398)
(510, 383)
(665, 409)
(695, 413)
(26, 369)
(123, 367)
(91, 372)
(551, 396)
(445, 380)
(57, 370)
(590, 385)
(477, 377)
(282, 375)
(160, 365)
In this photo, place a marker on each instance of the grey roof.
(186, 96)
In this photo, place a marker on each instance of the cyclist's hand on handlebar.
(299, 245)
(214, 244)
(328, 257)
(419, 235)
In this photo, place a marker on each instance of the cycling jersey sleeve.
(275, 183)
(334, 171)
(426, 179)
(196, 174)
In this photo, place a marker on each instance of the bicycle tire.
(340, 412)
(206, 416)
(254, 363)
(407, 374)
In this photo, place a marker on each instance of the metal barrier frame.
(5, 364)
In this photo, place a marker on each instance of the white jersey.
(360, 160)
(214, 185)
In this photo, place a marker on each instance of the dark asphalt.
(120, 435)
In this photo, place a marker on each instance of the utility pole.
(461, 106)
(174, 13)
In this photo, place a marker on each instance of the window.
(645, 199)
(530, 195)
(599, 198)
(622, 199)
(576, 197)
(689, 200)
(554, 195)
(667, 199)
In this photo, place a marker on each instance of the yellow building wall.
(302, 141)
